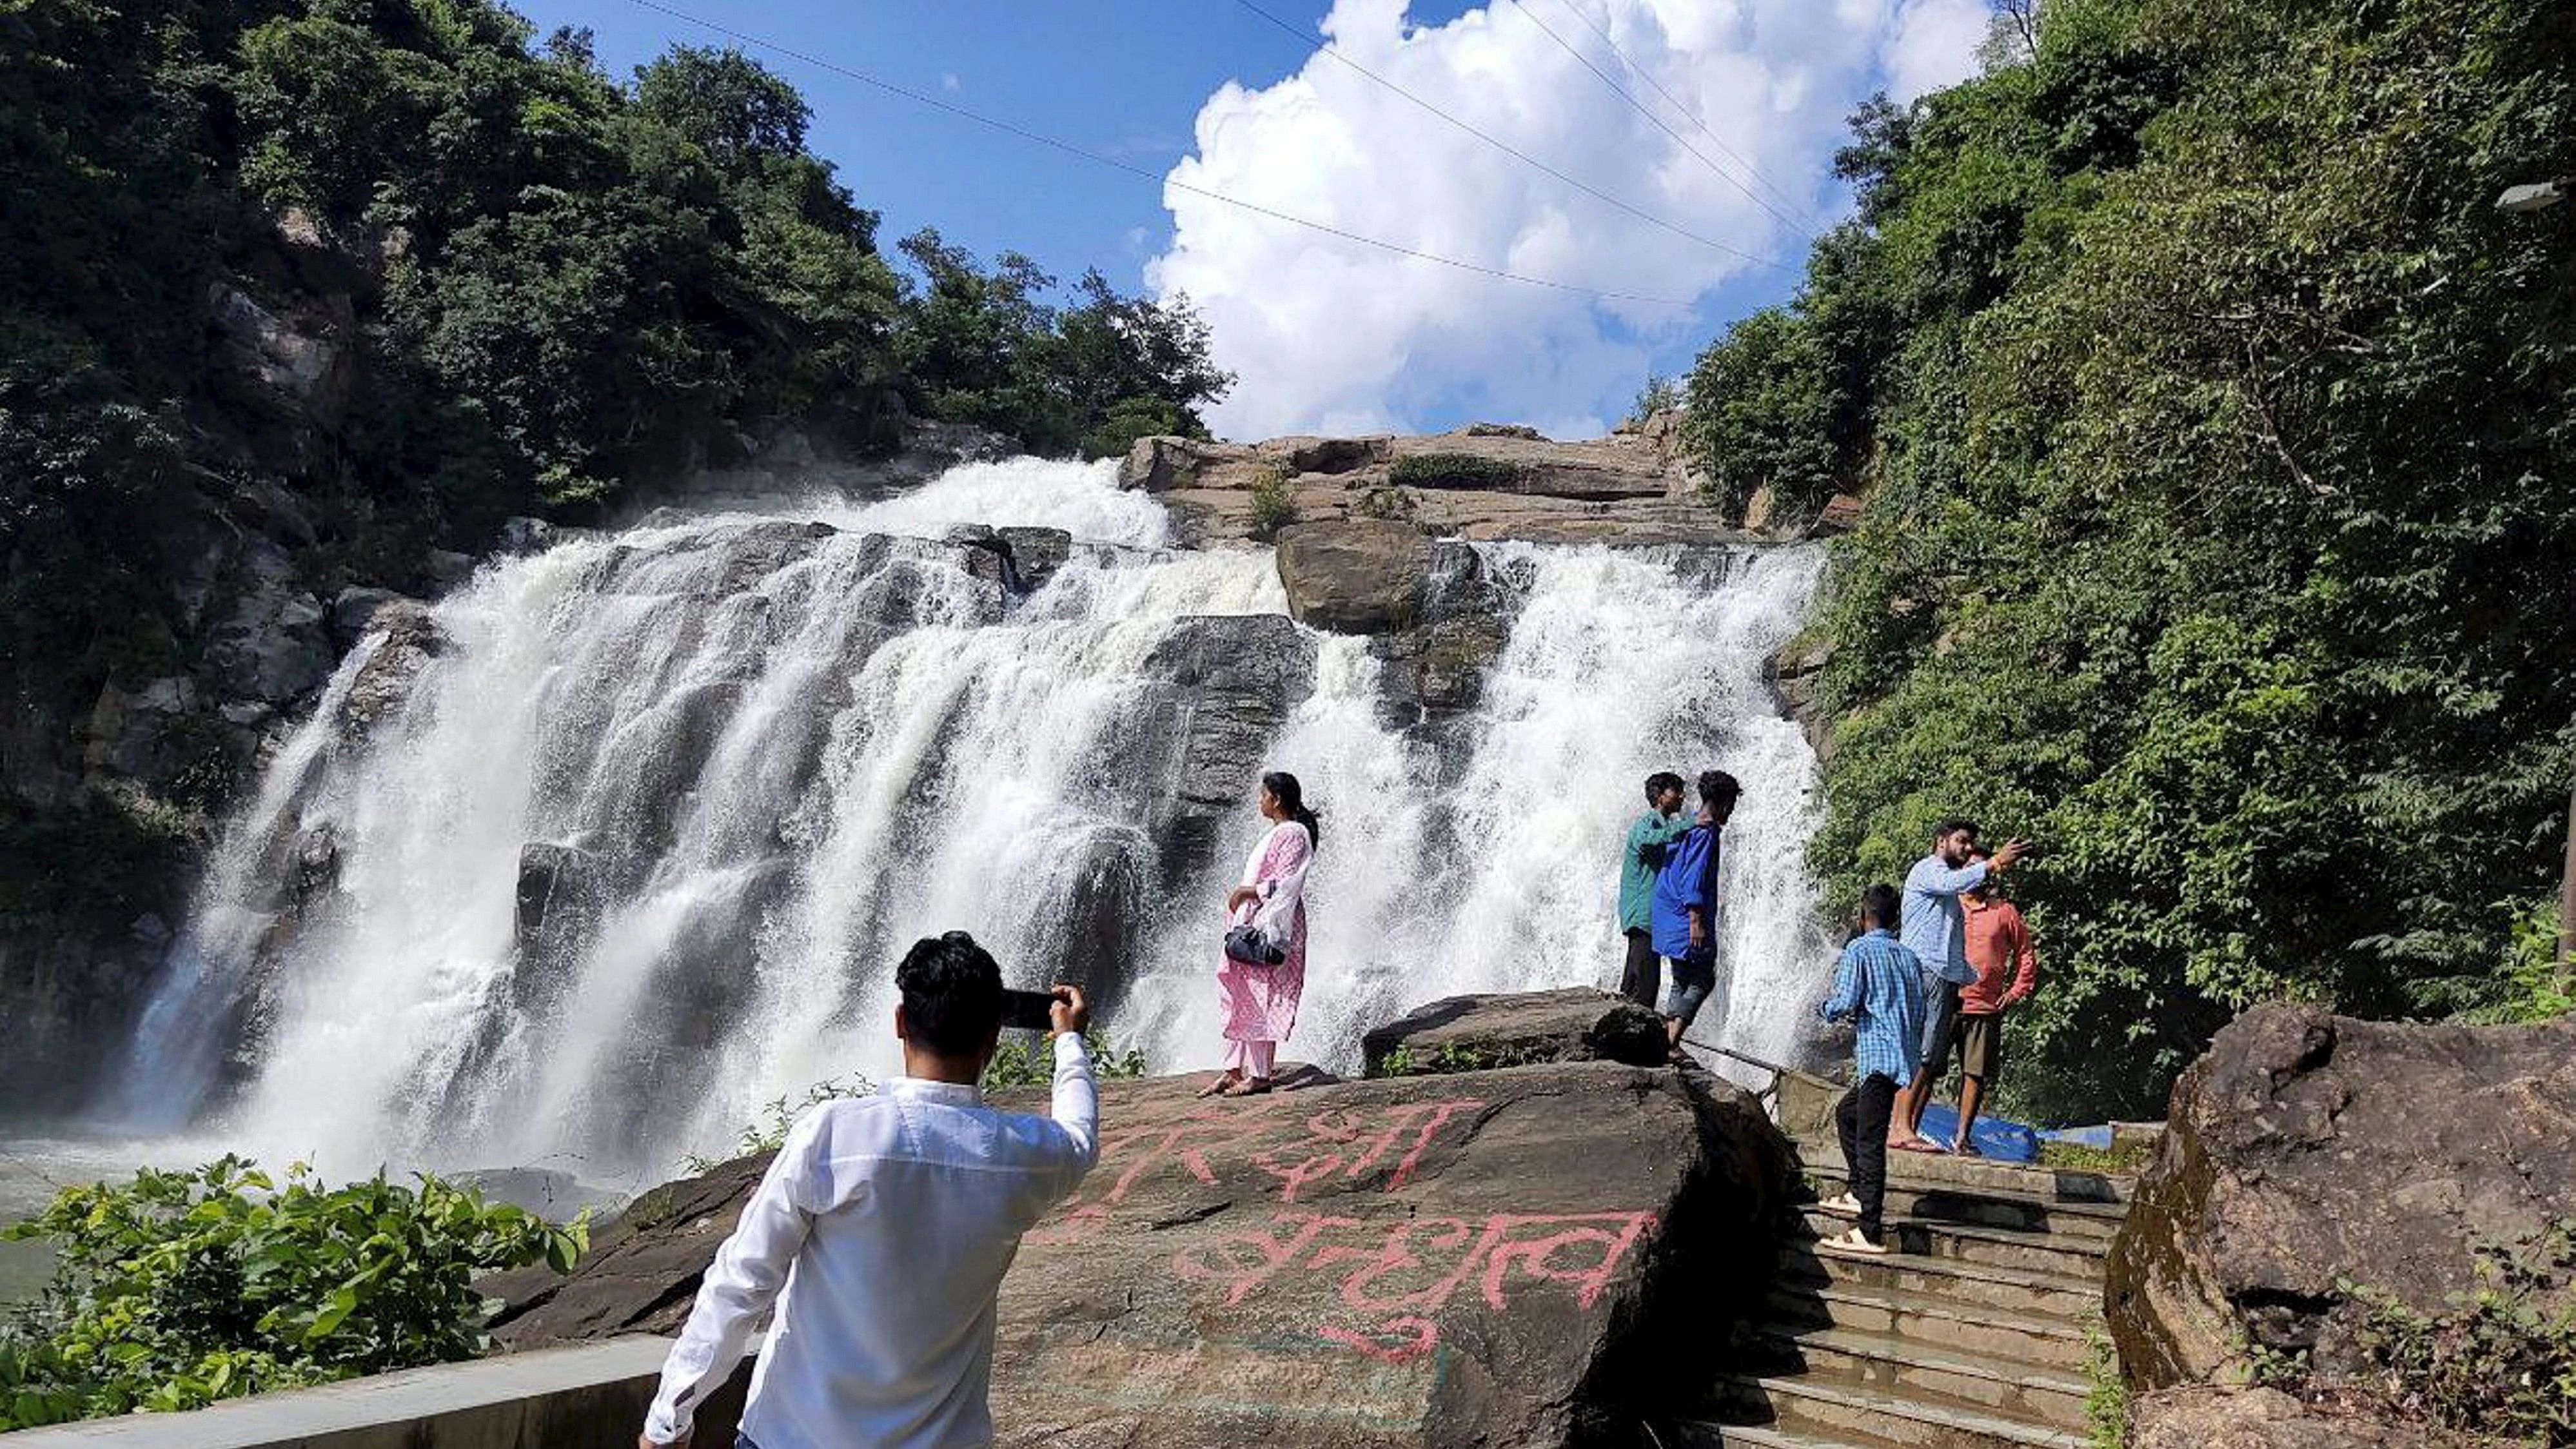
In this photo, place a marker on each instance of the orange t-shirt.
(1999, 947)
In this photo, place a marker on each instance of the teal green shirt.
(1638, 863)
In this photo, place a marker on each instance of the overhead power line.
(1070, 149)
(1322, 48)
(1642, 109)
(1778, 192)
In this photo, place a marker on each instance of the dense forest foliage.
(2218, 439)
(563, 286)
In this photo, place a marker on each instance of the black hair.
(1291, 796)
(1718, 791)
(1951, 825)
(1659, 782)
(1880, 904)
(952, 995)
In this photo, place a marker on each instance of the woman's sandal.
(1253, 1087)
(1220, 1087)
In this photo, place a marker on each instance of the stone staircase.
(1975, 1333)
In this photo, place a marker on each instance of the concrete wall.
(588, 1397)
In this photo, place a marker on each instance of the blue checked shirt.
(1880, 983)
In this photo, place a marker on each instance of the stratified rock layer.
(2307, 1150)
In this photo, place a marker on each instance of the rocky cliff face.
(1482, 483)
(1532, 1255)
(2310, 1157)
(272, 563)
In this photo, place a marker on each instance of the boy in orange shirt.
(2007, 971)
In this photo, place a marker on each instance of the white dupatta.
(1282, 897)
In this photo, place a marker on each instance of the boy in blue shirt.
(1685, 905)
(1879, 985)
(1641, 975)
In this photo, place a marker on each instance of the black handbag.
(1247, 945)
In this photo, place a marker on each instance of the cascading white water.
(636, 850)
(1497, 871)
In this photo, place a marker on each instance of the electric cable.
(1778, 192)
(1641, 109)
(1323, 48)
(1070, 149)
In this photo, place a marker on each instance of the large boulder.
(1359, 576)
(2307, 1151)
(272, 646)
(1436, 669)
(1577, 1024)
(402, 637)
(1535, 1256)
(1225, 685)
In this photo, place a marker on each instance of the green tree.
(1759, 415)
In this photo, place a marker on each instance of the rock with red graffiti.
(1536, 1255)
(1532, 1256)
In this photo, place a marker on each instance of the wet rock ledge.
(1539, 1254)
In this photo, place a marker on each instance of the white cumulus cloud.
(1332, 335)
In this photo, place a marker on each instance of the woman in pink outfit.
(1261, 1001)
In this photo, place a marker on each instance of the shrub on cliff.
(182, 1288)
(1452, 470)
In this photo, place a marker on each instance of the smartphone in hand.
(1028, 1010)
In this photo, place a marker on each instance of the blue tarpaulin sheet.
(1994, 1138)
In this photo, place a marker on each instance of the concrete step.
(2028, 1338)
(1842, 1414)
(1700, 1434)
(1907, 1368)
(1985, 1207)
(1971, 1243)
(1942, 1171)
(2074, 1300)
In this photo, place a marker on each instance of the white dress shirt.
(882, 1231)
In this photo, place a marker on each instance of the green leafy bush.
(769, 1133)
(2501, 1360)
(182, 1288)
(1385, 501)
(1661, 394)
(1031, 1063)
(1272, 509)
(2106, 1395)
(1453, 470)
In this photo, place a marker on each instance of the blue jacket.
(1640, 862)
(1688, 880)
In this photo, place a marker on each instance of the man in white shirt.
(882, 1232)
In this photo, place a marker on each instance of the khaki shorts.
(1978, 1037)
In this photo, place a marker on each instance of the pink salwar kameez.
(1261, 1001)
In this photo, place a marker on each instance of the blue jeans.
(1694, 977)
(1940, 1008)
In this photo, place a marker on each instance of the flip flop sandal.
(1218, 1087)
(1853, 1242)
(1844, 1206)
(1253, 1088)
(1916, 1145)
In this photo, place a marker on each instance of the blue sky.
(1326, 333)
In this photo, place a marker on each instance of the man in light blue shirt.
(1936, 932)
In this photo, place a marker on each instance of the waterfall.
(639, 824)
